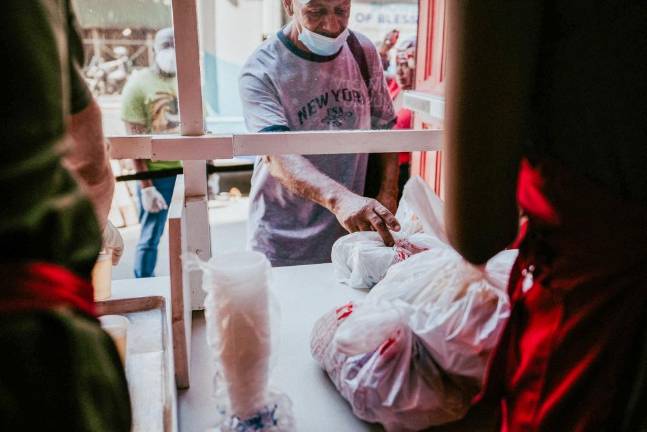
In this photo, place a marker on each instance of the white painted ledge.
(208, 147)
(428, 107)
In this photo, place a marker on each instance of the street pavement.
(227, 220)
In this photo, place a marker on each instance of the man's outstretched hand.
(357, 213)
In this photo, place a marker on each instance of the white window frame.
(194, 148)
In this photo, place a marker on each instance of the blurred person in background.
(385, 47)
(405, 58)
(405, 67)
(384, 50)
(149, 106)
(533, 121)
(58, 369)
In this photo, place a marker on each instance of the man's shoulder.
(364, 41)
(265, 56)
(372, 57)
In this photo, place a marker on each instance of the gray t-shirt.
(284, 88)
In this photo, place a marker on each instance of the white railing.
(188, 214)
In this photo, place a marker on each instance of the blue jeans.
(152, 228)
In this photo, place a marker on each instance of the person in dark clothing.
(546, 109)
(58, 369)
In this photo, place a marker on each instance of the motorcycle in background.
(108, 77)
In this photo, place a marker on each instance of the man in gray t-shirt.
(307, 78)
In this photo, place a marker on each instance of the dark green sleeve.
(80, 95)
(45, 217)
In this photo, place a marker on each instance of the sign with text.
(375, 20)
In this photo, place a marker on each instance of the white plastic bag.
(456, 309)
(413, 353)
(238, 323)
(361, 259)
(398, 384)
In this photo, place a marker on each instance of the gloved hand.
(152, 200)
(112, 240)
(213, 186)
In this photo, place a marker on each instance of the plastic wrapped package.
(398, 384)
(238, 318)
(413, 353)
(361, 259)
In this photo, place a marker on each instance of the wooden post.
(187, 54)
(195, 215)
(180, 298)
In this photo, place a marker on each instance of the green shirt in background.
(44, 216)
(150, 100)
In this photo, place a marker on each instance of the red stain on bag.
(344, 311)
(405, 249)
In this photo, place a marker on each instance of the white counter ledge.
(149, 359)
(304, 294)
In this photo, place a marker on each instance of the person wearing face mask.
(149, 106)
(312, 75)
(404, 69)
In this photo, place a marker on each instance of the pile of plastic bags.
(413, 353)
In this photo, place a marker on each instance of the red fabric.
(41, 286)
(403, 120)
(578, 289)
(393, 87)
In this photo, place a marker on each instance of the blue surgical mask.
(320, 44)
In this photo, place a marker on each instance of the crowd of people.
(546, 108)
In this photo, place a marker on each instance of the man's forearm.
(390, 173)
(354, 212)
(388, 194)
(301, 177)
(88, 159)
(140, 166)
